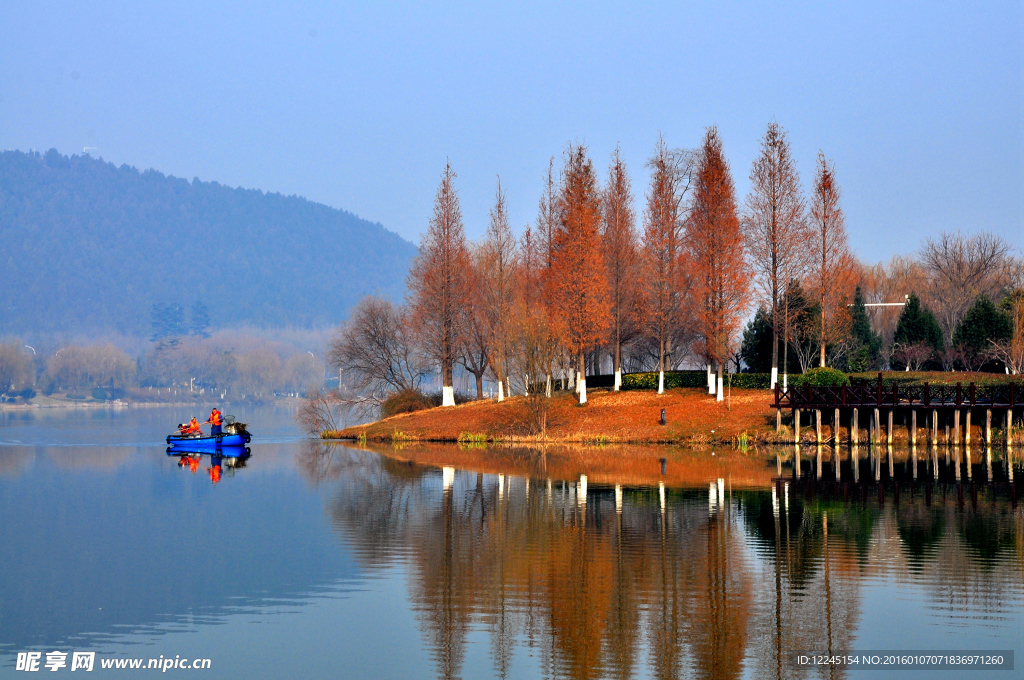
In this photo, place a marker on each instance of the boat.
(234, 436)
(208, 443)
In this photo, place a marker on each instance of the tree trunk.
(775, 341)
(618, 359)
(479, 384)
(582, 382)
(661, 367)
(447, 386)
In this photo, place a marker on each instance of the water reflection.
(191, 460)
(597, 565)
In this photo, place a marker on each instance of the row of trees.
(241, 365)
(586, 284)
(956, 305)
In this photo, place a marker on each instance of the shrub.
(821, 377)
(406, 401)
(674, 379)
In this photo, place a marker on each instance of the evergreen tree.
(867, 344)
(917, 325)
(756, 350)
(168, 321)
(982, 323)
(200, 320)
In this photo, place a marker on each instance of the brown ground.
(609, 417)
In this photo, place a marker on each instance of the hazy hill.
(87, 246)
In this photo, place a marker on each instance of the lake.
(326, 560)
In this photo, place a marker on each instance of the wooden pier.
(948, 404)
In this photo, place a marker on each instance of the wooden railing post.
(972, 393)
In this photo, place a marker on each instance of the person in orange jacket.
(193, 426)
(214, 421)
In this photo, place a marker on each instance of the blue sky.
(921, 105)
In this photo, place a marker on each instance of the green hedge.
(821, 377)
(675, 379)
(904, 378)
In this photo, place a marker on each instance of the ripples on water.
(439, 561)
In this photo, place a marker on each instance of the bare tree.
(832, 265)
(319, 413)
(774, 227)
(375, 352)
(912, 356)
(92, 366)
(15, 366)
(619, 239)
(438, 284)
(1011, 351)
(476, 348)
(888, 283)
(961, 268)
(498, 282)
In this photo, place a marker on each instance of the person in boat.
(193, 426)
(215, 422)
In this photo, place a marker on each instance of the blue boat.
(208, 443)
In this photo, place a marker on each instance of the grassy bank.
(693, 417)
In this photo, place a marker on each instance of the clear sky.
(921, 105)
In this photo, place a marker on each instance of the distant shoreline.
(117, 404)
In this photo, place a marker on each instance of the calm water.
(319, 560)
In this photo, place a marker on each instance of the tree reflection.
(709, 582)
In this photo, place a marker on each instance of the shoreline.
(117, 404)
(693, 418)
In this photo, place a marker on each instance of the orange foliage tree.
(774, 227)
(716, 259)
(833, 269)
(577, 286)
(439, 284)
(662, 254)
(619, 242)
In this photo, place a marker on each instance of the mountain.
(86, 246)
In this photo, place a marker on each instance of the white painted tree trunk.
(711, 381)
(583, 390)
(547, 389)
(661, 382)
(526, 390)
(501, 391)
(447, 396)
(618, 379)
(579, 381)
(720, 394)
(785, 380)
(775, 376)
